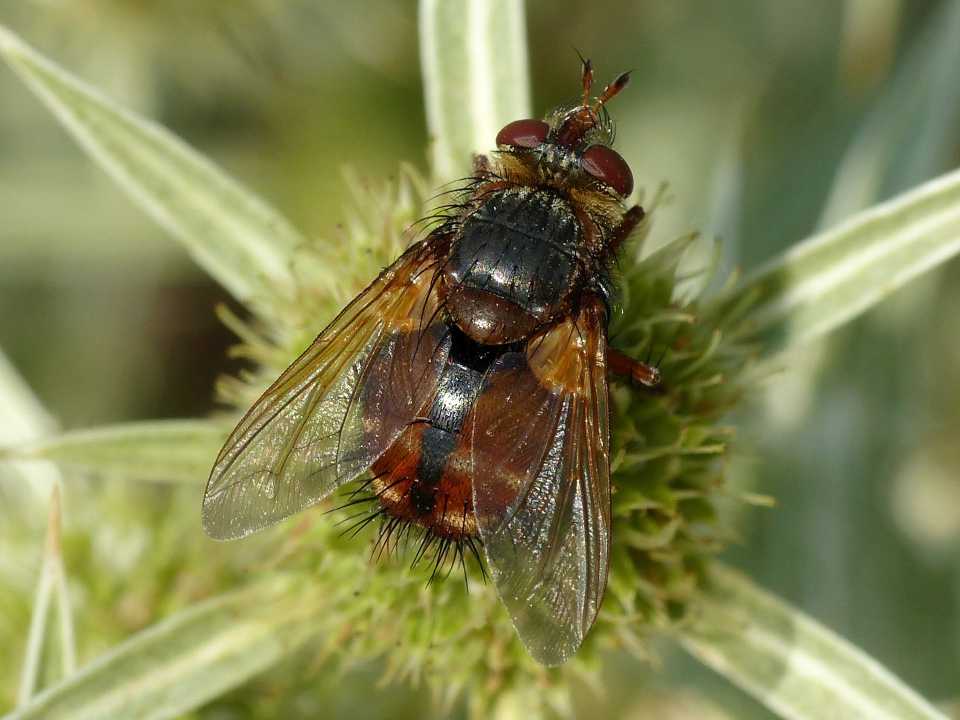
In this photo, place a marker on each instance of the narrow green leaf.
(473, 55)
(188, 659)
(23, 419)
(52, 585)
(797, 668)
(162, 450)
(33, 656)
(836, 275)
(232, 234)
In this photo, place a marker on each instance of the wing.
(338, 407)
(542, 482)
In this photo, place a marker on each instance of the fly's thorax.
(514, 264)
(598, 210)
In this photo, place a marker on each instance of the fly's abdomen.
(425, 477)
(512, 266)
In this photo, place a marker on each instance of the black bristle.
(396, 536)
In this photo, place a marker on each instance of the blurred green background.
(769, 120)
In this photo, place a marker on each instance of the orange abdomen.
(424, 479)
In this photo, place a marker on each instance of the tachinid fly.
(468, 382)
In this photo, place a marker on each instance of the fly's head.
(570, 149)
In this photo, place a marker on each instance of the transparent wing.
(338, 407)
(540, 435)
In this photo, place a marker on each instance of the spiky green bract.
(669, 447)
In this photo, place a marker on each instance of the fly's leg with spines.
(636, 371)
(633, 217)
(620, 363)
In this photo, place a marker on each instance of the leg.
(631, 219)
(622, 364)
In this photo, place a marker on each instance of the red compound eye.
(523, 133)
(608, 167)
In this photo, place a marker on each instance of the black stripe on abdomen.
(436, 445)
(457, 389)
